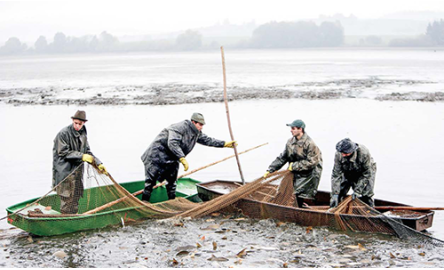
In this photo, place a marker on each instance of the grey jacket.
(69, 147)
(307, 165)
(175, 142)
(358, 168)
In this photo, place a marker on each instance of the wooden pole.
(228, 115)
(100, 208)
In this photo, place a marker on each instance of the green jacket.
(307, 165)
(69, 147)
(358, 168)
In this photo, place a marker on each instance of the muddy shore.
(169, 94)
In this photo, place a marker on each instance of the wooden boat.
(417, 220)
(54, 224)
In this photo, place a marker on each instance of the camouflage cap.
(346, 146)
(297, 123)
(198, 117)
(81, 115)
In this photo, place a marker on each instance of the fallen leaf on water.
(215, 214)
(422, 254)
(198, 245)
(202, 238)
(352, 247)
(279, 223)
(211, 227)
(285, 265)
(214, 245)
(392, 256)
(174, 261)
(224, 237)
(361, 247)
(242, 253)
(209, 220)
(60, 254)
(309, 229)
(238, 261)
(179, 224)
(239, 219)
(30, 240)
(217, 259)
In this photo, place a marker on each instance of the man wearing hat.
(70, 150)
(170, 147)
(354, 167)
(305, 162)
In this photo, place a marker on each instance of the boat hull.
(49, 226)
(306, 217)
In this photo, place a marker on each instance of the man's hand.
(102, 169)
(231, 144)
(334, 201)
(184, 163)
(356, 195)
(88, 158)
(290, 166)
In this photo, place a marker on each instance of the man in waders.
(70, 150)
(305, 162)
(170, 147)
(354, 167)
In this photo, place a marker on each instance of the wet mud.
(215, 241)
(167, 94)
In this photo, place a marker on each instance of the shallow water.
(403, 137)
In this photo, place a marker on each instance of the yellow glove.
(266, 174)
(184, 163)
(88, 158)
(102, 168)
(290, 166)
(231, 144)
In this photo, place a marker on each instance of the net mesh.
(97, 200)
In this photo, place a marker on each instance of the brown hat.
(81, 115)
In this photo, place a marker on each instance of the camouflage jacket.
(176, 141)
(307, 165)
(358, 168)
(69, 147)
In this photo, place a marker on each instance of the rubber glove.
(356, 195)
(334, 201)
(266, 174)
(290, 166)
(102, 169)
(230, 144)
(184, 163)
(88, 158)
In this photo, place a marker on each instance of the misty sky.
(27, 20)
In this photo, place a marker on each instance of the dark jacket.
(69, 147)
(358, 168)
(175, 142)
(307, 165)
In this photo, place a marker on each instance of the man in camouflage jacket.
(170, 147)
(305, 161)
(70, 149)
(354, 167)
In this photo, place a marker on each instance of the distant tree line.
(270, 35)
(298, 34)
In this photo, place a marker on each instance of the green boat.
(49, 224)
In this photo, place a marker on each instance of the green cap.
(297, 123)
(198, 117)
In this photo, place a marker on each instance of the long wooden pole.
(100, 208)
(228, 114)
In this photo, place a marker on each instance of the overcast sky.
(27, 20)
